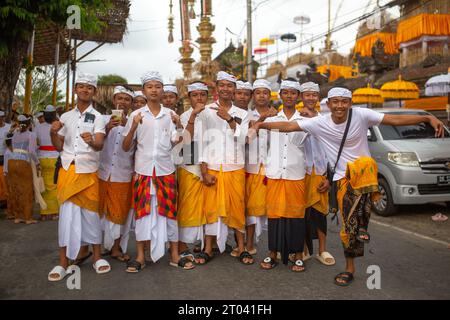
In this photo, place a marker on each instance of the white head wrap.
(261, 84)
(197, 86)
(139, 94)
(151, 75)
(339, 92)
(87, 78)
(22, 118)
(2, 113)
(50, 108)
(222, 75)
(38, 114)
(241, 85)
(121, 89)
(170, 88)
(287, 84)
(309, 86)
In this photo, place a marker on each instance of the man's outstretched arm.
(405, 120)
(282, 126)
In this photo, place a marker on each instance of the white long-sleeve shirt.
(286, 157)
(221, 146)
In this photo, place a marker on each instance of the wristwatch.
(231, 120)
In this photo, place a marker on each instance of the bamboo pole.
(29, 80)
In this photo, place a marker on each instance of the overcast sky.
(145, 46)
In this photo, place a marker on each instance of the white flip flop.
(60, 271)
(101, 263)
(325, 255)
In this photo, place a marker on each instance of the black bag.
(2, 159)
(333, 206)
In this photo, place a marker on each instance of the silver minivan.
(413, 166)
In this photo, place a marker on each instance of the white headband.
(38, 114)
(309, 86)
(2, 113)
(197, 86)
(339, 92)
(49, 108)
(22, 118)
(139, 94)
(170, 88)
(151, 75)
(261, 84)
(222, 75)
(241, 85)
(287, 84)
(87, 78)
(120, 89)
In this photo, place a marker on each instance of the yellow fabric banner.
(423, 24)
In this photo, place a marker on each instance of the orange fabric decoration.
(423, 24)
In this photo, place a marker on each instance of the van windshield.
(417, 131)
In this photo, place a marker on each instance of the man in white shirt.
(256, 156)
(139, 100)
(170, 97)
(191, 217)
(286, 192)
(4, 129)
(115, 174)
(153, 129)
(243, 94)
(316, 183)
(79, 136)
(223, 159)
(329, 130)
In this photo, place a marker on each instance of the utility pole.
(249, 42)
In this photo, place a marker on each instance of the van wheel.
(385, 206)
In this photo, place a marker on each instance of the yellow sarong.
(81, 189)
(362, 177)
(255, 194)
(285, 198)
(50, 193)
(226, 199)
(190, 200)
(3, 187)
(315, 199)
(115, 200)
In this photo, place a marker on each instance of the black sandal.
(203, 255)
(182, 263)
(299, 263)
(136, 265)
(363, 233)
(273, 263)
(187, 254)
(246, 254)
(346, 277)
(79, 261)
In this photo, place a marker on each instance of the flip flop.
(182, 263)
(323, 258)
(346, 277)
(122, 258)
(298, 263)
(187, 254)
(273, 263)
(60, 271)
(79, 261)
(245, 255)
(439, 217)
(101, 263)
(136, 265)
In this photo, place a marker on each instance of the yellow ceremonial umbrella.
(400, 89)
(266, 42)
(367, 95)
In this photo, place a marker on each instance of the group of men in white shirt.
(121, 174)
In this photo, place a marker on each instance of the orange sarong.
(20, 187)
(315, 199)
(190, 200)
(226, 199)
(255, 194)
(81, 189)
(115, 200)
(285, 198)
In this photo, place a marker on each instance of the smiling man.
(354, 172)
(170, 97)
(79, 136)
(115, 174)
(243, 94)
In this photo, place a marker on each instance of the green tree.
(111, 79)
(17, 21)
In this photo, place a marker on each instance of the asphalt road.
(412, 267)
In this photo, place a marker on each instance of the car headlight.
(408, 159)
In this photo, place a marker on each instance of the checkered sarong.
(166, 195)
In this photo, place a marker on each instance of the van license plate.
(443, 180)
